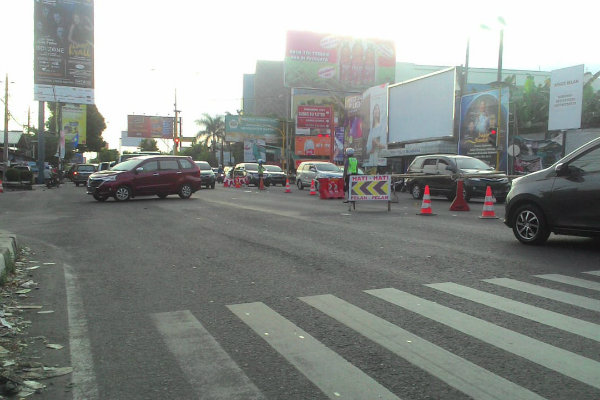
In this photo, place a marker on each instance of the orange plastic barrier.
(331, 188)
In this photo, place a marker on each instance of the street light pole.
(5, 155)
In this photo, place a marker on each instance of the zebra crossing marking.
(597, 273)
(552, 294)
(331, 373)
(212, 374)
(570, 364)
(569, 280)
(457, 372)
(550, 318)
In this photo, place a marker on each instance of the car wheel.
(123, 193)
(417, 191)
(185, 192)
(299, 184)
(529, 225)
(100, 198)
(162, 196)
(466, 194)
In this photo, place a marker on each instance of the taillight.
(75, 173)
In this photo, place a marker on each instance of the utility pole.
(176, 138)
(5, 155)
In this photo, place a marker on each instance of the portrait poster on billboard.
(479, 112)
(323, 61)
(240, 129)
(374, 115)
(338, 145)
(64, 51)
(146, 126)
(566, 98)
(254, 150)
(74, 123)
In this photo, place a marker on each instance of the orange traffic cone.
(313, 191)
(1, 187)
(237, 183)
(226, 182)
(287, 186)
(426, 205)
(262, 184)
(488, 205)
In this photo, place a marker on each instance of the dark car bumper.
(478, 188)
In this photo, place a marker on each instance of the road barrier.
(369, 187)
(426, 205)
(331, 188)
(459, 203)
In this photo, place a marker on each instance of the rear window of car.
(86, 168)
(169, 165)
(273, 168)
(327, 167)
(203, 165)
(186, 164)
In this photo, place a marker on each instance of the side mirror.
(561, 169)
(139, 169)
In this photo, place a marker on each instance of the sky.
(148, 50)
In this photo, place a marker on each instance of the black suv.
(564, 198)
(208, 175)
(81, 173)
(441, 172)
(249, 171)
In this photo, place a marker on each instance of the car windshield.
(327, 167)
(203, 165)
(86, 168)
(252, 167)
(273, 168)
(472, 163)
(126, 165)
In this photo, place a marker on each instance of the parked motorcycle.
(52, 182)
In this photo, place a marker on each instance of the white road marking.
(552, 294)
(568, 280)
(331, 373)
(550, 318)
(83, 376)
(207, 367)
(476, 382)
(570, 364)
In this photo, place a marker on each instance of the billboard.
(324, 61)
(423, 108)
(303, 99)
(64, 51)
(479, 112)
(74, 124)
(254, 150)
(566, 98)
(374, 117)
(319, 117)
(353, 125)
(313, 145)
(145, 126)
(240, 129)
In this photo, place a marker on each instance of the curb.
(8, 252)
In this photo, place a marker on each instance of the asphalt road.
(241, 294)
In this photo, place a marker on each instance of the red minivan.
(146, 176)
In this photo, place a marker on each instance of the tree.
(213, 132)
(148, 145)
(200, 152)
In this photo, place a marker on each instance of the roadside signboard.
(369, 187)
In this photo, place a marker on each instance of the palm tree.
(213, 131)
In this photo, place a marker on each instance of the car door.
(443, 181)
(171, 177)
(147, 179)
(575, 197)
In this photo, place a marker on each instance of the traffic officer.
(350, 168)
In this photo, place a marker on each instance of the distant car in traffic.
(208, 175)
(146, 176)
(276, 175)
(441, 171)
(564, 198)
(249, 171)
(81, 173)
(309, 170)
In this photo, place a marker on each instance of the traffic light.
(493, 136)
(176, 142)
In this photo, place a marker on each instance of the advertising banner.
(479, 112)
(323, 61)
(74, 123)
(338, 145)
(353, 126)
(319, 117)
(566, 98)
(240, 129)
(530, 155)
(145, 126)
(318, 98)
(374, 116)
(64, 51)
(313, 145)
(254, 150)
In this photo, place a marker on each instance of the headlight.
(475, 179)
(108, 178)
(504, 180)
